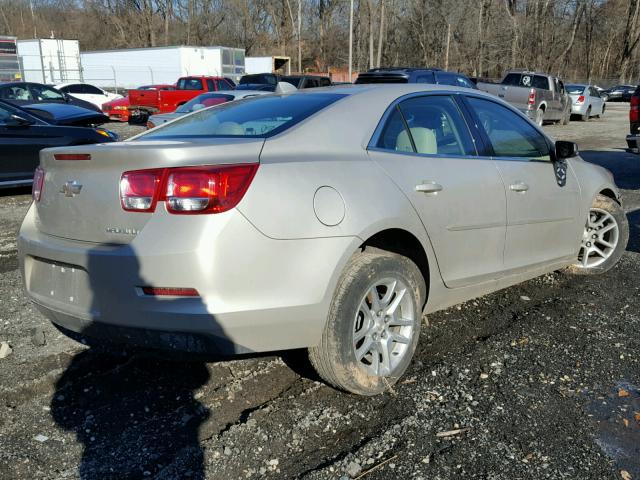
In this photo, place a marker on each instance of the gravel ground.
(541, 380)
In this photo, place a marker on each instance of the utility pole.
(299, 39)
(350, 40)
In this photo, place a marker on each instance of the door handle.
(519, 187)
(429, 187)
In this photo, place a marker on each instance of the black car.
(259, 81)
(620, 93)
(26, 93)
(415, 75)
(23, 134)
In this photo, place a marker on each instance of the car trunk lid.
(81, 198)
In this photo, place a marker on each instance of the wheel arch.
(608, 192)
(402, 242)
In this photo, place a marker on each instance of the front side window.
(510, 134)
(73, 89)
(260, 117)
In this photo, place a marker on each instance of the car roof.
(60, 85)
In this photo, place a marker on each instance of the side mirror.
(18, 121)
(565, 149)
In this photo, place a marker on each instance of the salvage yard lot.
(541, 380)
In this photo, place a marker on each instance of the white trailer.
(133, 67)
(50, 60)
(281, 65)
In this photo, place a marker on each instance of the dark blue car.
(26, 131)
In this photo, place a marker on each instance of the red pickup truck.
(149, 102)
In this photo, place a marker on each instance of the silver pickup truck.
(540, 96)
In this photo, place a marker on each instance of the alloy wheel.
(384, 326)
(599, 239)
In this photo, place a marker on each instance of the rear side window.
(259, 117)
(190, 84)
(512, 79)
(92, 90)
(510, 135)
(429, 125)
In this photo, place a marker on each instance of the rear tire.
(604, 239)
(373, 325)
(586, 116)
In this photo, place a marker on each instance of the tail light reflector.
(532, 98)
(170, 291)
(38, 184)
(580, 99)
(186, 190)
(72, 156)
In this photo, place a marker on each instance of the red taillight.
(532, 98)
(72, 156)
(186, 190)
(38, 184)
(580, 99)
(139, 190)
(170, 291)
(634, 111)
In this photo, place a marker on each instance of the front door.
(543, 217)
(426, 148)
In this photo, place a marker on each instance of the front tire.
(604, 239)
(373, 325)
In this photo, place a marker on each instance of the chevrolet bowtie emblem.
(71, 188)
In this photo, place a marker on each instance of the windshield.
(42, 92)
(258, 117)
(205, 100)
(575, 89)
(260, 78)
(295, 81)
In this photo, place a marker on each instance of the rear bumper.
(579, 109)
(256, 294)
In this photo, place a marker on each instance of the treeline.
(579, 39)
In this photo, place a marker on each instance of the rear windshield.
(259, 117)
(526, 80)
(295, 81)
(260, 78)
(575, 89)
(381, 79)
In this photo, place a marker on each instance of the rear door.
(543, 217)
(426, 147)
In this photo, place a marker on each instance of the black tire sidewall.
(345, 306)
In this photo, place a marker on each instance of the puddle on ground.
(617, 420)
